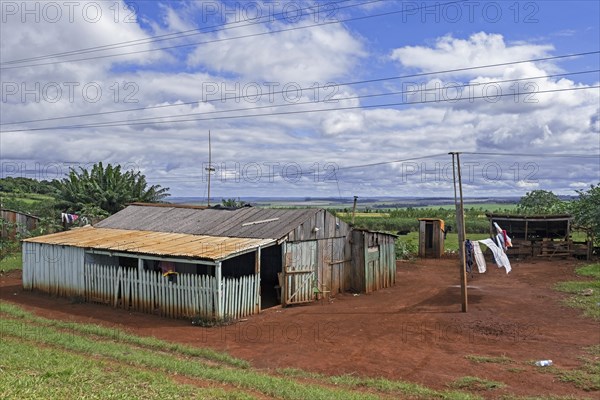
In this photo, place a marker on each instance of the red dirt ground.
(413, 331)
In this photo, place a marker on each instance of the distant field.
(27, 198)
(493, 207)
(363, 214)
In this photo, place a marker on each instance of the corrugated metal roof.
(154, 243)
(247, 222)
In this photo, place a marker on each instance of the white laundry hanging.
(479, 259)
(499, 255)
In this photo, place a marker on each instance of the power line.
(183, 179)
(417, 75)
(225, 39)
(542, 155)
(174, 35)
(396, 93)
(297, 112)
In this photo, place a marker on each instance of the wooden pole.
(354, 209)
(257, 256)
(460, 222)
(209, 169)
(219, 277)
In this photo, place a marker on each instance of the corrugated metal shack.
(373, 254)
(22, 223)
(288, 255)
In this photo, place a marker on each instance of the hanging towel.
(479, 259)
(469, 255)
(507, 240)
(500, 241)
(498, 229)
(499, 255)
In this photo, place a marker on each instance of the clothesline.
(473, 253)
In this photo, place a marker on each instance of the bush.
(406, 249)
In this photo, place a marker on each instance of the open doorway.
(270, 266)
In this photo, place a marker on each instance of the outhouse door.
(372, 274)
(299, 272)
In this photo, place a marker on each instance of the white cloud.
(479, 49)
(173, 154)
(318, 54)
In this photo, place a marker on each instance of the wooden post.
(460, 222)
(210, 169)
(218, 275)
(140, 266)
(354, 209)
(257, 306)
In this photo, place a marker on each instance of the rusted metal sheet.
(153, 243)
(24, 223)
(251, 222)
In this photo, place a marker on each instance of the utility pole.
(354, 209)
(210, 169)
(460, 222)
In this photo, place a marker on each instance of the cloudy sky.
(306, 98)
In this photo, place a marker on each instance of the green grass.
(474, 383)
(109, 351)
(122, 336)
(589, 304)
(29, 372)
(379, 384)
(592, 270)
(27, 198)
(489, 359)
(11, 262)
(586, 377)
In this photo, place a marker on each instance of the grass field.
(10, 262)
(45, 358)
(585, 294)
(27, 198)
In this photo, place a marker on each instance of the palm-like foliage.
(109, 189)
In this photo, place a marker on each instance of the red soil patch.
(414, 331)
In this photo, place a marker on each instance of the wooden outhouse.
(431, 237)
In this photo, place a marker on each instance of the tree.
(540, 202)
(108, 189)
(586, 210)
(233, 203)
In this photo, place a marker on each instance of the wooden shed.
(431, 237)
(238, 259)
(540, 235)
(16, 222)
(373, 261)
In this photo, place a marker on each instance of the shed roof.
(247, 222)
(516, 217)
(154, 243)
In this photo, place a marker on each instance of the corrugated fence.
(190, 296)
(63, 272)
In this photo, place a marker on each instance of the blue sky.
(297, 151)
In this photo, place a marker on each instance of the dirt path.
(413, 331)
